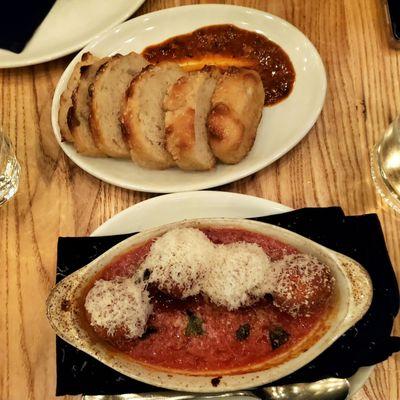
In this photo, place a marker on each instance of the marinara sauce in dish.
(195, 335)
(228, 45)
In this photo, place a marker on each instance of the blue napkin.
(19, 20)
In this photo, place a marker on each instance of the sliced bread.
(79, 121)
(106, 96)
(237, 105)
(64, 112)
(187, 105)
(143, 115)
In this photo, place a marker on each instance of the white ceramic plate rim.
(201, 205)
(26, 60)
(223, 174)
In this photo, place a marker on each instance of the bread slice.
(187, 105)
(79, 121)
(64, 112)
(107, 94)
(143, 115)
(237, 105)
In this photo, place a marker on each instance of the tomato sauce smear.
(225, 46)
(226, 340)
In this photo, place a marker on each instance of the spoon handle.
(326, 389)
(170, 395)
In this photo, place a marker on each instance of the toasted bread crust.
(179, 121)
(180, 134)
(94, 122)
(187, 104)
(79, 117)
(107, 96)
(65, 110)
(145, 133)
(237, 106)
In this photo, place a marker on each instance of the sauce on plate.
(228, 45)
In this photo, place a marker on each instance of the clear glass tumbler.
(9, 169)
(385, 165)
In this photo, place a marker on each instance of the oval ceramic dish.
(352, 297)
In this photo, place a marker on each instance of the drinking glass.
(9, 169)
(385, 165)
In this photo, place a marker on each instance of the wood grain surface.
(329, 167)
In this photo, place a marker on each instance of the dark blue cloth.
(19, 20)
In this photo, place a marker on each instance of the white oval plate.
(208, 204)
(282, 125)
(69, 26)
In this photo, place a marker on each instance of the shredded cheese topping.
(184, 262)
(119, 304)
(238, 276)
(178, 261)
(301, 284)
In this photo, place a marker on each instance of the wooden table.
(329, 167)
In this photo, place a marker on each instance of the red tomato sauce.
(126, 264)
(168, 344)
(228, 45)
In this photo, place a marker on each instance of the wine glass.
(385, 165)
(9, 169)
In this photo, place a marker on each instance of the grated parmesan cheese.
(184, 262)
(303, 284)
(238, 276)
(178, 261)
(119, 304)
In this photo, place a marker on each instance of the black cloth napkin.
(19, 20)
(367, 343)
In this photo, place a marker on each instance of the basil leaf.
(243, 332)
(278, 336)
(194, 326)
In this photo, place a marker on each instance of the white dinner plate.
(282, 126)
(69, 26)
(178, 206)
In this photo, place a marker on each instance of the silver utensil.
(325, 389)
